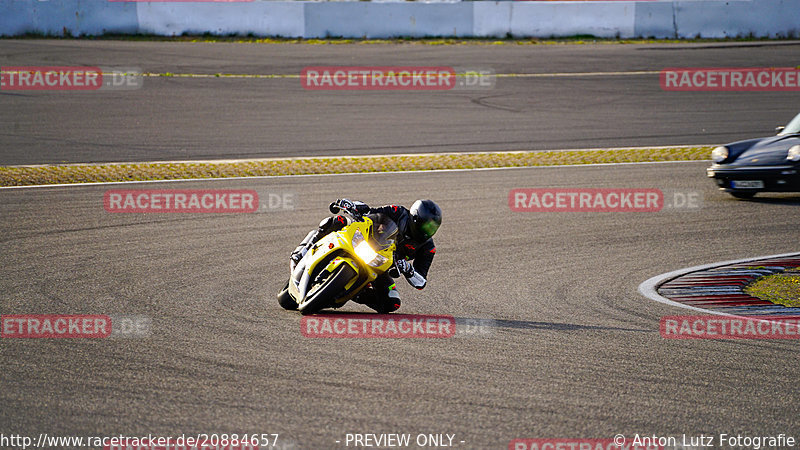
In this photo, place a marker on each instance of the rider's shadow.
(477, 325)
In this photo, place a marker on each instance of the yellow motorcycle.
(341, 264)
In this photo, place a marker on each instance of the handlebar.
(350, 209)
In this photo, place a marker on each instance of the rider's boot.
(384, 297)
(312, 237)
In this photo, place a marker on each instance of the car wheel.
(743, 194)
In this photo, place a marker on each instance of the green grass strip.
(114, 172)
(781, 289)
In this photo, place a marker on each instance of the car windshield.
(384, 230)
(793, 127)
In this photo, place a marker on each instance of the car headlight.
(794, 153)
(365, 251)
(719, 154)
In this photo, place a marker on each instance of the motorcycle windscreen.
(383, 232)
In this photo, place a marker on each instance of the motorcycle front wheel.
(324, 291)
(285, 300)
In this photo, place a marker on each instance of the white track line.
(648, 287)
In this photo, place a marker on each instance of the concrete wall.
(77, 17)
(259, 18)
(625, 19)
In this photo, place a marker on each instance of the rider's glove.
(354, 207)
(341, 203)
(345, 204)
(405, 268)
(361, 207)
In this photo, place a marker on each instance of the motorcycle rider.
(416, 227)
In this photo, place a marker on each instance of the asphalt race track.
(572, 350)
(174, 118)
(575, 352)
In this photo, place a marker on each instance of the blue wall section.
(378, 20)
